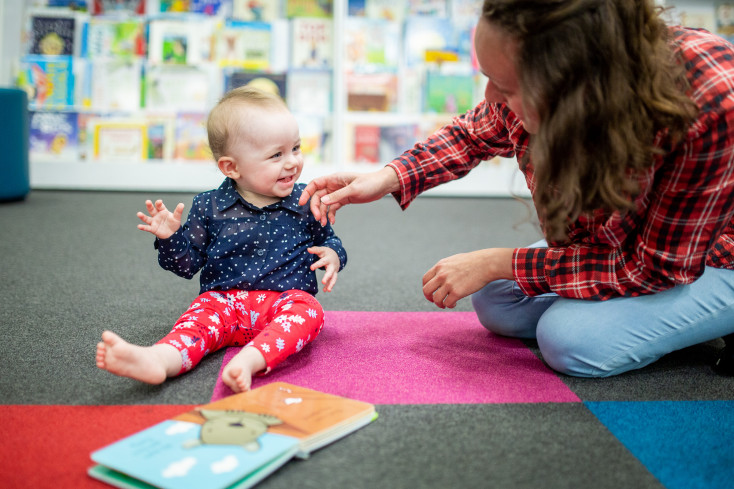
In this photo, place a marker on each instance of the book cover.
(308, 8)
(311, 43)
(118, 140)
(161, 136)
(396, 139)
(314, 137)
(116, 84)
(275, 83)
(192, 142)
(366, 144)
(53, 34)
(371, 92)
(207, 7)
(48, 80)
(80, 5)
(450, 94)
(117, 7)
(357, 8)
(180, 41)
(309, 92)
(181, 87)
(115, 38)
(53, 136)
(244, 44)
(724, 18)
(234, 442)
(427, 7)
(427, 34)
(256, 10)
(392, 10)
(371, 45)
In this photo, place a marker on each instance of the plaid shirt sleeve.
(683, 214)
(486, 131)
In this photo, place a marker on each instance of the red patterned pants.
(276, 323)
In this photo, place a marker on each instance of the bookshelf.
(101, 166)
(376, 98)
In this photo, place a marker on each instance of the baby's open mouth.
(287, 179)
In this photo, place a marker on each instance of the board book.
(232, 443)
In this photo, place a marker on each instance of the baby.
(256, 248)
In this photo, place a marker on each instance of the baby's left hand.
(329, 261)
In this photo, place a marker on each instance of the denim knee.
(503, 309)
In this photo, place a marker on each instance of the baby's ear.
(228, 167)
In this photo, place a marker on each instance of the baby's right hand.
(161, 222)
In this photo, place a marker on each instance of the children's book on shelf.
(256, 10)
(181, 87)
(54, 32)
(244, 44)
(48, 80)
(80, 5)
(115, 140)
(371, 92)
(427, 33)
(180, 41)
(192, 143)
(449, 93)
(54, 136)
(115, 38)
(724, 19)
(116, 84)
(311, 43)
(234, 442)
(366, 143)
(392, 10)
(356, 8)
(396, 139)
(314, 137)
(427, 7)
(371, 45)
(309, 92)
(309, 8)
(275, 83)
(161, 136)
(117, 7)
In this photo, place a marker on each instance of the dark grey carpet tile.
(473, 446)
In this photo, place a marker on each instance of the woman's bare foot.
(237, 374)
(150, 364)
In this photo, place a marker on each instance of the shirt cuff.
(529, 271)
(401, 196)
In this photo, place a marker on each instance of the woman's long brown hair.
(604, 81)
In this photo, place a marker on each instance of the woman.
(623, 128)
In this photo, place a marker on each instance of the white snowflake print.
(185, 325)
(300, 344)
(186, 361)
(195, 305)
(214, 331)
(187, 340)
(312, 313)
(176, 344)
(280, 343)
(287, 306)
(222, 299)
(265, 347)
(214, 318)
(242, 294)
(286, 326)
(260, 298)
(204, 299)
(253, 317)
(296, 319)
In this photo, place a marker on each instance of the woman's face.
(496, 52)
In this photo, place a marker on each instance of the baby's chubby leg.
(237, 374)
(150, 364)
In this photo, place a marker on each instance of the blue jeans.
(604, 338)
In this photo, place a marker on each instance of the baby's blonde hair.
(224, 121)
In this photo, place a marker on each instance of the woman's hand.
(332, 192)
(161, 222)
(459, 276)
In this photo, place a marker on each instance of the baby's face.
(268, 155)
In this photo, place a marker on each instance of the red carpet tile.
(49, 446)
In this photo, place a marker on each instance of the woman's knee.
(503, 309)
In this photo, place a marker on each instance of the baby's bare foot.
(127, 360)
(237, 374)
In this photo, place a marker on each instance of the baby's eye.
(296, 148)
(277, 155)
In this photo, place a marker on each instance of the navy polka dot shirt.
(237, 245)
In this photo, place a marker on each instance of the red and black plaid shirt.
(683, 219)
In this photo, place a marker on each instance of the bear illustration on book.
(233, 427)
